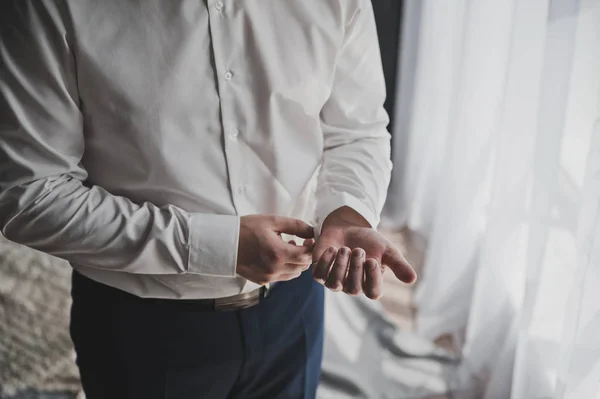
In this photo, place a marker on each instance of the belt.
(84, 286)
(240, 301)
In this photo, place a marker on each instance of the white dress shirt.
(134, 134)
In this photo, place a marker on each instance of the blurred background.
(495, 199)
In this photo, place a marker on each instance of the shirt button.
(240, 190)
(228, 75)
(234, 134)
(219, 5)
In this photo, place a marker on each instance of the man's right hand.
(264, 257)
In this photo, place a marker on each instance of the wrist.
(345, 217)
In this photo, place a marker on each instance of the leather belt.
(240, 301)
(227, 304)
(86, 287)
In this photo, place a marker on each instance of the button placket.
(218, 26)
(219, 6)
(240, 191)
(234, 133)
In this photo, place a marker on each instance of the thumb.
(309, 242)
(393, 259)
(291, 226)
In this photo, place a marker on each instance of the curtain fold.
(388, 15)
(501, 173)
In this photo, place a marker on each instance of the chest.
(142, 51)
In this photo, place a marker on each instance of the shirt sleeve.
(44, 202)
(356, 165)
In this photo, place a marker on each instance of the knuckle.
(272, 256)
(371, 265)
(344, 251)
(285, 253)
(373, 291)
(319, 277)
(374, 294)
(358, 252)
(298, 224)
(273, 219)
(355, 267)
(269, 270)
(353, 291)
(333, 285)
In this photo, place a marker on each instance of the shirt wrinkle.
(135, 134)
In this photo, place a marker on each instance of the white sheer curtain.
(498, 164)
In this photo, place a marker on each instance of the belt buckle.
(236, 302)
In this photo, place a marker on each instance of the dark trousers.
(129, 347)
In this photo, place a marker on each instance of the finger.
(250, 273)
(282, 252)
(393, 259)
(354, 280)
(294, 227)
(319, 249)
(321, 269)
(310, 242)
(297, 267)
(299, 255)
(373, 286)
(337, 274)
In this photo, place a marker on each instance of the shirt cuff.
(213, 245)
(330, 204)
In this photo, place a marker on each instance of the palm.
(349, 255)
(374, 244)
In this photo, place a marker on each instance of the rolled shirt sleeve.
(44, 202)
(356, 165)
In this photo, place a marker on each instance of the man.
(165, 148)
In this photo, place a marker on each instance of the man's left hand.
(350, 255)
